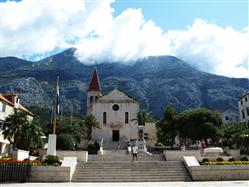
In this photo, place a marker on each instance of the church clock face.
(115, 107)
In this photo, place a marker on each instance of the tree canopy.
(166, 128)
(198, 123)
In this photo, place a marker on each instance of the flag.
(56, 105)
(57, 97)
(51, 118)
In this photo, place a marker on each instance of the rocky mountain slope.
(154, 81)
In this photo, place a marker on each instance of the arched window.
(126, 117)
(104, 117)
(91, 99)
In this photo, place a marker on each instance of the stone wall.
(215, 172)
(50, 174)
(176, 155)
(219, 172)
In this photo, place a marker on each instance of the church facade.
(114, 111)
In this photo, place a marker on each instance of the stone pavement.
(139, 184)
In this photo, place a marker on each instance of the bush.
(244, 158)
(159, 144)
(65, 142)
(205, 160)
(96, 144)
(219, 159)
(93, 148)
(231, 159)
(52, 160)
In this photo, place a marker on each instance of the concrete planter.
(50, 174)
(215, 172)
(219, 172)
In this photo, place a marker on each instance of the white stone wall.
(243, 107)
(115, 120)
(229, 116)
(3, 115)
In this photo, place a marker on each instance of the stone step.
(142, 179)
(113, 169)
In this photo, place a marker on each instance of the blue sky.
(208, 34)
(179, 14)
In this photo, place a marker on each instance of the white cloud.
(36, 27)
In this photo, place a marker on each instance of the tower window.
(104, 117)
(91, 99)
(241, 102)
(126, 117)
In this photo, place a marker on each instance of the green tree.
(65, 141)
(34, 134)
(22, 133)
(166, 128)
(143, 116)
(89, 123)
(198, 123)
(74, 128)
(234, 135)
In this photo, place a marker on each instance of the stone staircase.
(117, 166)
(121, 155)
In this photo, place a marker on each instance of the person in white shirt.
(134, 152)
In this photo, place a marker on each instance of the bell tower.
(94, 91)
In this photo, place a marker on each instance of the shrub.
(159, 144)
(244, 158)
(96, 144)
(52, 160)
(219, 159)
(205, 160)
(93, 148)
(5, 158)
(65, 142)
(231, 159)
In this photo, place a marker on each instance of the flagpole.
(55, 105)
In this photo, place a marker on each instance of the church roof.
(94, 84)
(116, 94)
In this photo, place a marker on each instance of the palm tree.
(143, 116)
(90, 122)
(35, 133)
(15, 124)
(22, 133)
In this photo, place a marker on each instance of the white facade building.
(244, 108)
(7, 104)
(114, 111)
(228, 116)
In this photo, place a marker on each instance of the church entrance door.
(115, 135)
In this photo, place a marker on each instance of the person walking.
(134, 152)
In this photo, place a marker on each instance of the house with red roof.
(8, 102)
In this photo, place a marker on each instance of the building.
(228, 116)
(244, 108)
(7, 104)
(114, 111)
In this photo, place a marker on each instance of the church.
(114, 111)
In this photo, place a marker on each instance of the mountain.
(154, 81)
